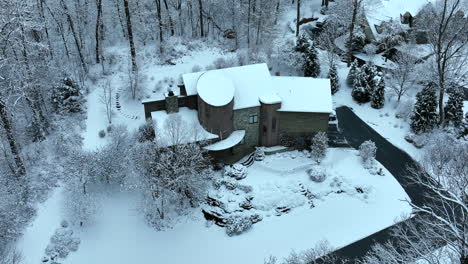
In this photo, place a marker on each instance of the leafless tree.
(403, 76)
(447, 30)
(106, 99)
(442, 222)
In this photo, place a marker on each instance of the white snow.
(250, 81)
(119, 234)
(254, 84)
(303, 94)
(233, 139)
(215, 88)
(188, 129)
(270, 98)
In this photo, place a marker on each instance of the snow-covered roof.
(253, 84)
(215, 88)
(249, 81)
(302, 94)
(188, 128)
(386, 10)
(233, 139)
(270, 98)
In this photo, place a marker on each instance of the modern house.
(243, 107)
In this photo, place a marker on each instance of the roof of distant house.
(253, 84)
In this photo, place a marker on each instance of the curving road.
(394, 159)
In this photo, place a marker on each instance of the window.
(264, 130)
(273, 124)
(253, 119)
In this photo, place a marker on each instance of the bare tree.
(131, 40)
(441, 224)
(403, 76)
(106, 99)
(298, 16)
(447, 30)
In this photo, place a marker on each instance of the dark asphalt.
(394, 159)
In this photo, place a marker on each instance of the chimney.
(172, 102)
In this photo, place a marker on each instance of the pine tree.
(302, 44)
(353, 71)
(378, 97)
(311, 65)
(364, 83)
(454, 109)
(334, 81)
(425, 116)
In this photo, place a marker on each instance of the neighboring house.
(243, 107)
(403, 12)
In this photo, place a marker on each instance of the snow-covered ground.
(119, 233)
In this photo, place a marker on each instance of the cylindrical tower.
(216, 103)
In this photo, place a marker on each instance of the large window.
(253, 119)
(273, 124)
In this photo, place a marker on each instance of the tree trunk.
(20, 169)
(248, 24)
(130, 37)
(200, 10)
(171, 23)
(298, 17)
(98, 25)
(75, 37)
(351, 31)
(160, 25)
(117, 5)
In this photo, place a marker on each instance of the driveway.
(394, 159)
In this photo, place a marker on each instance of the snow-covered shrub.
(236, 225)
(317, 174)
(259, 154)
(66, 96)
(219, 63)
(109, 129)
(196, 68)
(404, 110)
(336, 182)
(245, 188)
(367, 151)
(359, 40)
(146, 132)
(236, 171)
(102, 133)
(370, 49)
(62, 243)
(319, 146)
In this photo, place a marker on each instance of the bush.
(259, 154)
(236, 171)
(319, 146)
(237, 225)
(109, 129)
(317, 174)
(102, 133)
(196, 68)
(367, 151)
(146, 132)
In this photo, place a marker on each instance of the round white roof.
(215, 89)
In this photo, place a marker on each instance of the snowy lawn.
(340, 214)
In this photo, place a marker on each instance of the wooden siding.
(298, 124)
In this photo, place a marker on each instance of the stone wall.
(241, 122)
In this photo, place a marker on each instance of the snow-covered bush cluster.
(146, 132)
(317, 174)
(237, 224)
(236, 171)
(259, 154)
(61, 244)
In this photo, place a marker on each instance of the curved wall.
(216, 119)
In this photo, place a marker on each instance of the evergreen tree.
(353, 71)
(378, 97)
(454, 109)
(425, 116)
(364, 83)
(302, 44)
(311, 65)
(334, 80)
